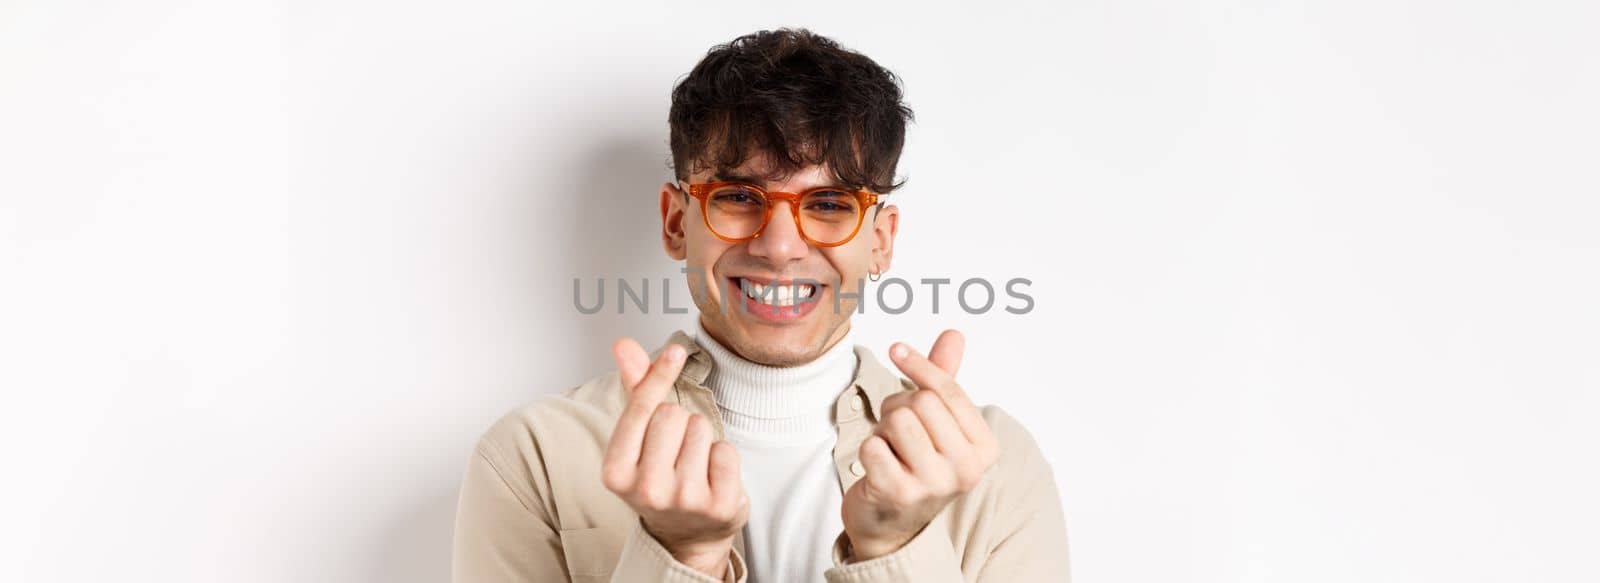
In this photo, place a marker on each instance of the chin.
(777, 333)
(782, 347)
(779, 354)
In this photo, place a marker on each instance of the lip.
(777, 314)
(774, 314)
(733, 281)
(767, 280)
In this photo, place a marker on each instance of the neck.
(757, 398)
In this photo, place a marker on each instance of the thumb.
(632, 361)
(947, 351)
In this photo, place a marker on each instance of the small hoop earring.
(874, 276)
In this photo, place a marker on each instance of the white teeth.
(779, 295)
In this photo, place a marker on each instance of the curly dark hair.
(797, 97)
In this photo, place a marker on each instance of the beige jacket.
(532, 508)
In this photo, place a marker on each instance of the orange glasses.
(827, 216)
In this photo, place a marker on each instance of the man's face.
(719, 272)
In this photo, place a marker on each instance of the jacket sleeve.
(927, 557)
(499, 537)
(1030, 528)
(644, 559)
(503, 534)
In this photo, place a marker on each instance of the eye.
(830, 201)
(736, 196)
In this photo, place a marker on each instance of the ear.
(885, 225)
(672, 213)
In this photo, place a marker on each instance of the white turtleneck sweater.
(781, 421)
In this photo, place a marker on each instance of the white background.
(1315, 282)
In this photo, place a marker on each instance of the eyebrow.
(732, 177)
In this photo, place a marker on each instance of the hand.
(931, 446)
(666, 464)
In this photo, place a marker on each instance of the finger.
(662, 441)
(632, 361)
(895, 401)
(937, 419)
(658, 381)
(929, 376)
(696, 452)
(926, 374)
(884, 471)
(726, 487)
(947, 350)
(940, 424)
(623, 449)
(911, 443)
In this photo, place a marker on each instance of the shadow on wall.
(417, 549)
(620, 238)
(607, 198)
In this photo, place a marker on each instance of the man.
(765, 446)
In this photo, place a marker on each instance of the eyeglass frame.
(702, 191)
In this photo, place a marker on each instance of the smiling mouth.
(777, 294)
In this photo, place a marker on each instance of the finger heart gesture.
(667, 465)
(930, 446)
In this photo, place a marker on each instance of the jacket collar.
(872, 379)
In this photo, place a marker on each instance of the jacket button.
(855, 404)
(857, 469)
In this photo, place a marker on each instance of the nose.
(780, 242)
